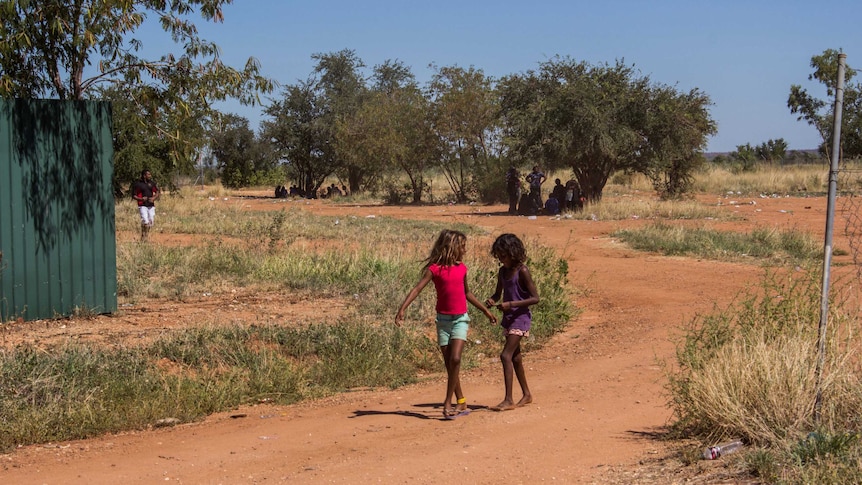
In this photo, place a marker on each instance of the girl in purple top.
(444, 266)
(518, 292)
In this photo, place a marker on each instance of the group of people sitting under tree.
(282, 192)
(563, 197)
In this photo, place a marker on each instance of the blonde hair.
(448, 249)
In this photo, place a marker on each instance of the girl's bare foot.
(524, 401)
(448, 412)
(504, 406)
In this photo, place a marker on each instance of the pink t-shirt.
(449, 282)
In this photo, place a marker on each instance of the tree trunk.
(354, 179)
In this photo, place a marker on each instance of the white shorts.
(148, 214)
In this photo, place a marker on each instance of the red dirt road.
(598, 388)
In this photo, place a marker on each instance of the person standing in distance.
(146, 192)
(536, 178)
(513, 189)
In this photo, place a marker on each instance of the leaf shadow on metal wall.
(60, 145)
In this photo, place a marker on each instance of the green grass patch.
(80, 391)
(768, 245)
(83, 390)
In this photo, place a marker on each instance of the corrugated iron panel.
(57, 233)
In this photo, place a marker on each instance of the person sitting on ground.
(552, 206)
(574, 202)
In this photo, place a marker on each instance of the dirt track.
(598, 388)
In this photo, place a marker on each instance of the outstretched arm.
(426, 277)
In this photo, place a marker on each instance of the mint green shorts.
(452, 327)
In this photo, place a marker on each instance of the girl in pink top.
(444, 266)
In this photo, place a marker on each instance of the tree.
(819, 113)
(300, 136)
(572, 114)
(49, 49)
(341, 89)
(136, 147)
(771, 150)
(602, 119)
(243, 159)
(391, 132)
(745, 156)
(675, 127)
(465, 116)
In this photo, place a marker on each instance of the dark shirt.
(512, 180)
(142, 188)
(559, 192)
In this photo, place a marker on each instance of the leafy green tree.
(675, 127)
(745, 157)
(464, 111)
(341, 90)
(300, 136)
(48, 49)
(136, 147)
(391, 132)
(242, 158)
(819, 113)
(771, 150)
(572, 114)
(601, 119)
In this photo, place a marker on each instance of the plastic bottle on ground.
(717, 451)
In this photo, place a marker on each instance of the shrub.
(748, 371)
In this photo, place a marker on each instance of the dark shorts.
(517, 325)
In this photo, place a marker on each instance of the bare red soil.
(599, 402)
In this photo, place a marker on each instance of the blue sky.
(744, 54)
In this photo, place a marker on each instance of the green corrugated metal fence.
(57, 234)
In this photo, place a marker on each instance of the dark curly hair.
(509, 245)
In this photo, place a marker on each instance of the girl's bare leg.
(452, 359)
(518, 364)
(513, 345)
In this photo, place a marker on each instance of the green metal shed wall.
(57, 234)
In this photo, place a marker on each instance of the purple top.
(513, 291)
